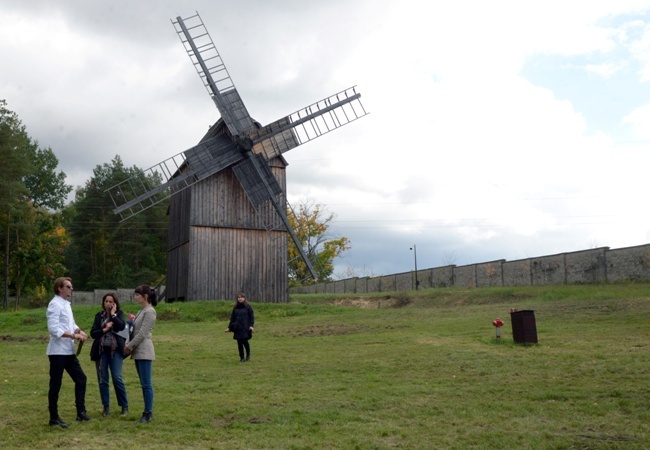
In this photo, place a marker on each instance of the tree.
(46, 187)
(29, 184)
(39, 252)
(450, 257)
(311, 222)
(13, 139)
(106, 252)
(354, 272)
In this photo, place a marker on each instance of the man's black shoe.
(58, 422)
(82, 416)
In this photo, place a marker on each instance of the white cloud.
(461, 152)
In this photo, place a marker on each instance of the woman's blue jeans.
(143, 367)
(115, 364)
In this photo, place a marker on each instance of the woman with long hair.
(241, 324)
(140, 347)
(108, 351)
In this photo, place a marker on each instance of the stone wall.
(598, 265)
(124, 295)
(628, 264)
(517, 273)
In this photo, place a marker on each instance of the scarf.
(105, 320)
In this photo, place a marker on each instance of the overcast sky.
(497, 130)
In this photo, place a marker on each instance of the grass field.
(413, 370)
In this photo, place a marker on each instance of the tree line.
(43, 237)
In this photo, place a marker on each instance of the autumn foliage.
(311, 222)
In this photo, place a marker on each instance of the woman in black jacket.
(241, 324)
(108, 351)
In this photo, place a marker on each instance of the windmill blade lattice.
(308, 123)
(255, 176)
(260, 186)
(213, 73)
(171, 176)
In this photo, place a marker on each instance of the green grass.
(394, 370)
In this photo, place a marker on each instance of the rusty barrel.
(524, 328)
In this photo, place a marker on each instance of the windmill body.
(228, 223)
(219, 243)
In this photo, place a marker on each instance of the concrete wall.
(405, 281)
(588, 266)
(442, 276)
(548, 270)
(628, 264)
(84, 297)
(387, 283)
(465, 276)
(95, 297)
(517, 273)
(374, 284)
(598, 265)
(490, 273)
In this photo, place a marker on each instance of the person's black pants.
(69, 363)
(241, 345)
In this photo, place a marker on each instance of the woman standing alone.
(241, 324)
(140, 347)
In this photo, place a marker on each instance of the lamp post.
(415, 256)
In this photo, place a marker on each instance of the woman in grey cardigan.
(140, 346)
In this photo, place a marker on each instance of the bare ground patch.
(374, 303)
(225, 422)
(325, 330)
(11, 338)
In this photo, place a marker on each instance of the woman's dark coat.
(241, 319)
(96, 332)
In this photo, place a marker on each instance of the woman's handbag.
(124, 334)
(127, 332)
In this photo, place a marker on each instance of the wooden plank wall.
(177, 267)
(225, 261)
(178, 246)
(179, 218)
(220, 201)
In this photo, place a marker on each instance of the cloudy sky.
(497, 130)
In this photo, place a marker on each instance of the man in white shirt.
(60, 350)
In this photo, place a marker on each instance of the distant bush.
(173, 313)
(283, 313)
(39, 298)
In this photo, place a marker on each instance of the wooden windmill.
(228, 222)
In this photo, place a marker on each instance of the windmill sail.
(220, 152)
(261, 186)
(215, 77)
(172, 175)
(257, 180)
(308, 123)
